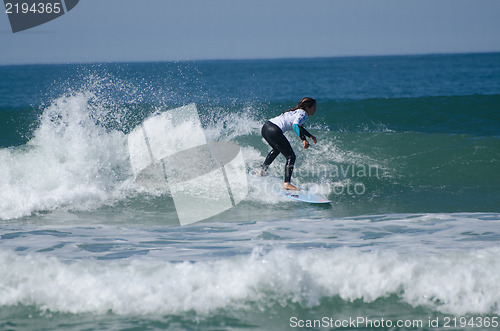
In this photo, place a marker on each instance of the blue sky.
(165, 30)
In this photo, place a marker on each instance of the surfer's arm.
(302, 133)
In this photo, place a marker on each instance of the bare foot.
(261, 173)
(288, 186)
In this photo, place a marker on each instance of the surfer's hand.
(314, 139)
(306, 144)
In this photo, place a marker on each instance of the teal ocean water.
(408, 152)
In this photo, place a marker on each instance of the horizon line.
(187, 60)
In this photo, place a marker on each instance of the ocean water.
(408, 151)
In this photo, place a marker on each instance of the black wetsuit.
(275, 137)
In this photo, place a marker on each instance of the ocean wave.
(77, 157)
(462, 114)
(70, 161)
(453, 282)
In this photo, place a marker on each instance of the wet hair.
(303, 104)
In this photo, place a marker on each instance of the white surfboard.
(305, 196)
(274, 186)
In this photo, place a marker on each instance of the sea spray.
(69, 163)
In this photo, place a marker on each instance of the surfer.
(273, 132)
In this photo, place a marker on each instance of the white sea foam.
(71, 161)
(454, 282)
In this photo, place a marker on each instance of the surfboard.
(271, 184)
(305, 196)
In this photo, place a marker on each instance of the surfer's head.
(308, 104)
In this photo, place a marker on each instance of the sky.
(177, 30)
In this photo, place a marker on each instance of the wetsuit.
(273, 132)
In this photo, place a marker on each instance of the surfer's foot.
(288, 186)
(261, 173)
